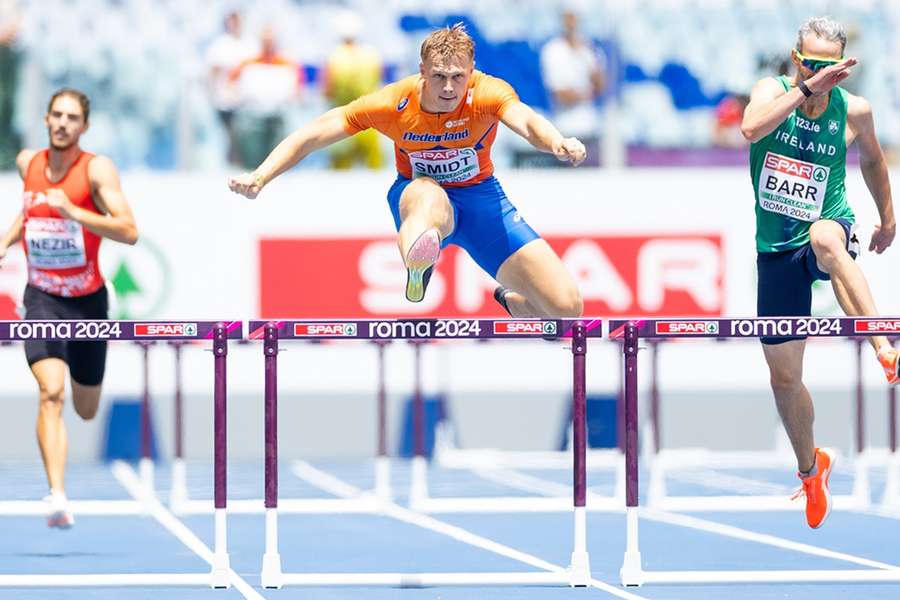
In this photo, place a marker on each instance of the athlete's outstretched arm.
(541, 134)
(117, 223)
(324, 131)
(874, 171)
(770, 105)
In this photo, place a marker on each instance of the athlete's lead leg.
(829, 245)
(426, 218)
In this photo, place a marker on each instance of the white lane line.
(761, 538)
(324, 481)
(132, 483)
(543, 486)
(327, 482)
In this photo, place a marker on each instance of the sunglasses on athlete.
(815, 64)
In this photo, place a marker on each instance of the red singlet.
(62, 254)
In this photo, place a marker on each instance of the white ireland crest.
(833, 126)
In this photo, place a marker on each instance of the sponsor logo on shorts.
(165, 329)
(870, 325)
(525, 327)
(324, 329)
(687, 327)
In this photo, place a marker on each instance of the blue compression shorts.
(487, 225)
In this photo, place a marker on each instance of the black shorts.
(86, 360)
(784, 281)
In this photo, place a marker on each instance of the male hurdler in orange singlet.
(443, 122)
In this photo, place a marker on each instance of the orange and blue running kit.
(453, 149)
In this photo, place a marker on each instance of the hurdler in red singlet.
(62, 253)
(72, 200)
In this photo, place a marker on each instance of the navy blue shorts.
(784, 281)
(488, 226)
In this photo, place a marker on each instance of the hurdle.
(216, 332)
(498, 464)
(666, 460)
(271, 332)
(502, 465)
(630, 333)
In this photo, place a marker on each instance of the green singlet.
(798, 175)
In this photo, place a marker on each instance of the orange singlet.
(62, 254)
(452, 148)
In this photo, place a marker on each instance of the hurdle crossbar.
(630, 332)
(420, 330)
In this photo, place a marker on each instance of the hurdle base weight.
(631, 573)
(580, 570)
(220, 576)
(271, 577)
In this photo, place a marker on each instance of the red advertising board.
(665, 275)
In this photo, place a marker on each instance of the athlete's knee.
(424, 196)
(52, 395)
(785, 379)
(567, 303)
(86, 410)
(827, 246)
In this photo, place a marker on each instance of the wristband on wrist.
(801, 85)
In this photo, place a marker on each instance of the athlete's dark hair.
(80, 96)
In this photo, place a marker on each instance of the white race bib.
(453, 165)
(54, 243)
(791, 187)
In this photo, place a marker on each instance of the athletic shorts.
(86, 360)
(487, 225)
(784, 281)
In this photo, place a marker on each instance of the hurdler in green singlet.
(798, 175)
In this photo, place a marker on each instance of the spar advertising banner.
(318, 244)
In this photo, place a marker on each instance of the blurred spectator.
(353, 70)
(574, 73)
(267, 84)
(226, 53)
(729, 114)
(9, 74)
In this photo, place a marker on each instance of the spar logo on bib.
(876, 325)
(452, 165)
(525, 327)
(687, 327)
(324, 329)
(165, 330)
(793, 188)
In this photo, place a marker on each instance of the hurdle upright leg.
(631, 572)
(860, 495)
(580, 566)
(891, 496)
(145, 465)
(271, 576)
(220, 576)
(382, 460)
(178, 495)
(419, 486)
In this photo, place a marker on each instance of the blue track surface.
(380, 543)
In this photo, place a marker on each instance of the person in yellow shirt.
(353, 70)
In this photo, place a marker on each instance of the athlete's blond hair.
(448, 43)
